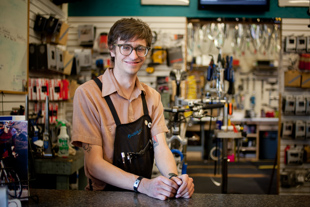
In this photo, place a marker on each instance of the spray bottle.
(63, 140)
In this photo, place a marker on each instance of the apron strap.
(113, 111)
(108, 100)
(146, 112)
(98, 82)
(111, 106)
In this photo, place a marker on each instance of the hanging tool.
(211, 69)
(229, 75)
(158, 57)
(253, 98)
(178, 76)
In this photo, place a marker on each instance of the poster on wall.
(14, 156)
(14, 46)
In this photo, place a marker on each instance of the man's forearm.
(163, 156)
(105, 171)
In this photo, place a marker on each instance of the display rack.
(293, 156)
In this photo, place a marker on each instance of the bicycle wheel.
(11, 179)
(216, 154)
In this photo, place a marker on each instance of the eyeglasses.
(127, 49)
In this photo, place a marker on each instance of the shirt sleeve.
(158, 119)
(86, 119)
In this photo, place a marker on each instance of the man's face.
(131, 64)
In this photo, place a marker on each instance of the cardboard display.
(305, 80)
(67, 62)
(292, 78)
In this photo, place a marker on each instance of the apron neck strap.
(111, 106)
(146, 112)
(109, 102)
(113, 111)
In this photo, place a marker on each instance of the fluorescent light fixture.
(293, 3)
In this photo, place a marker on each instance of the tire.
(11, 179)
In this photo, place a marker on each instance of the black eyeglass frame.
(132, 48)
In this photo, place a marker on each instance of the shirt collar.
(110, 85)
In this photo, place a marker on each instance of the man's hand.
(159, 187)
(186, 188)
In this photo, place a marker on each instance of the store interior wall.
(8, 102)
(125, 8)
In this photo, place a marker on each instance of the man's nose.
(134, 53)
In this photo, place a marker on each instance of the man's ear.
(112, 52)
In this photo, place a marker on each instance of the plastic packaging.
(63, 141)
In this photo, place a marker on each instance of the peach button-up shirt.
(93, 122)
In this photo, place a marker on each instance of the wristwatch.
(172, 175)
(137, 183)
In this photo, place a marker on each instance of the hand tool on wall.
(210, 69)
(253, 97)
(178, 76)
(229, 75)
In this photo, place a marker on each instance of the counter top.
(108, 198)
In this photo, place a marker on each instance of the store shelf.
(244, 149)
(292, 177)
(251, 135)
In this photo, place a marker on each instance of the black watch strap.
(172, 175)
(137, 183)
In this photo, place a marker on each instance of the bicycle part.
(182, 163)
(215, 182)
(11, 179)
(216, 155)
(173, 141)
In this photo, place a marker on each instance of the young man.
(119, 122)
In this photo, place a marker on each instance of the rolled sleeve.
(158, 118)
(86, 122)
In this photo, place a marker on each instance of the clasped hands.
(162, 188)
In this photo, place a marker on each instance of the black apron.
(133, 146)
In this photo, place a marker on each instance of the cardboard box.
(292, 78)
(67, 62)
(60, 38)
(305, 80)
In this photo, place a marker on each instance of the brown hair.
(127, 29)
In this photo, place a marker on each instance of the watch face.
(136, 184)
